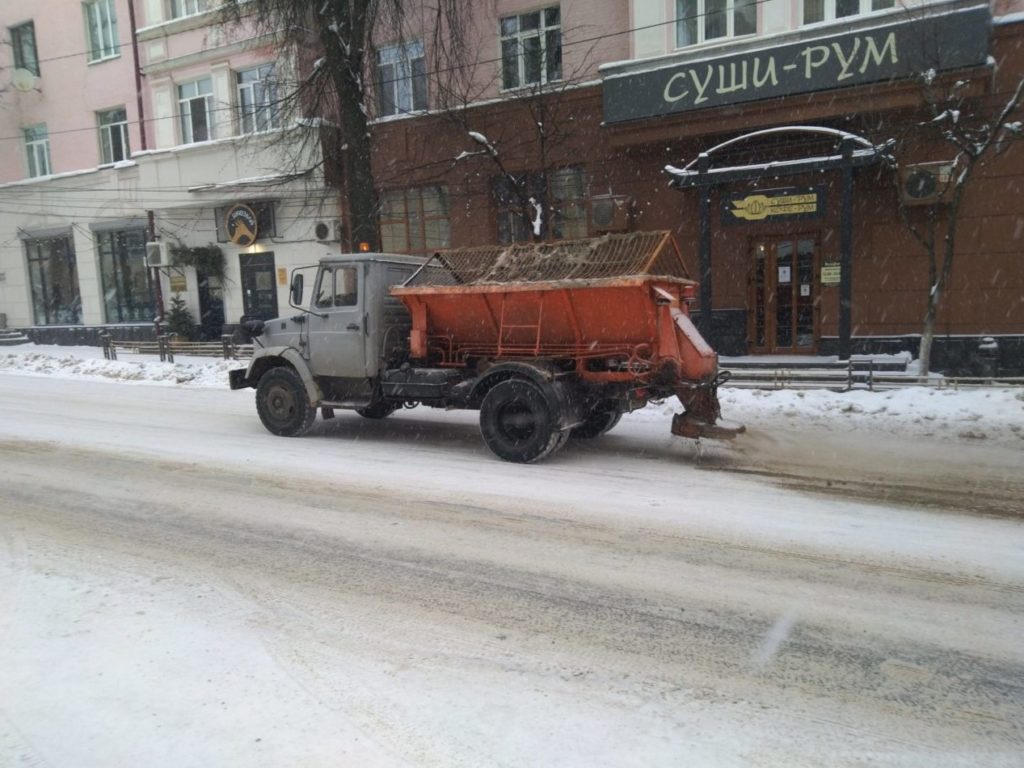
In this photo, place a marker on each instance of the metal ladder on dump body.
(503, 326)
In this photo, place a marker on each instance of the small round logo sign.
(241, 225)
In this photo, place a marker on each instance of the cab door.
(337, 336)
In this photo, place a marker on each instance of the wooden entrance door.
(784, 296)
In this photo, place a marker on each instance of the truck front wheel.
(518, 423)
(282, 404)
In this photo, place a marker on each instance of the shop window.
(700, 21)
(23, 41)
(101, 27)
(113, 135)
(414, 220)
(127, 294)
(179, 8)
(37, 149)
(194, 106)
(401, 79)
(565, 189)
(828, 10)
(53, 277)
(266, 220)
(258, 108)
(531, 48)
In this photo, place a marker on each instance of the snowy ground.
(842, 586)
(993, 414)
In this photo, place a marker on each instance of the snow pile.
(87, 363)
(995, 414)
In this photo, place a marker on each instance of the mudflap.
(702, 414)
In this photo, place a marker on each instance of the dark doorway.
(211, 307)
(783, 303)
(259, 287)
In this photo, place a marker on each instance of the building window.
(699, 21)
(266, 222)
(37, 147)
(23, 41)
(181, 8)
(194, 102)
(113, 135)
(126, 283)
(401, 79)
(53, 276)
(414, 220)
(101, 26)
(531, 48)
(566, 192)
(829, 10)
(257, 99)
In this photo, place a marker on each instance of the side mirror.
(297, 289)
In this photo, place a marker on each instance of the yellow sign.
(282, 276)
(241, 225)
(831, 274)
(178, 282)
(761, 207)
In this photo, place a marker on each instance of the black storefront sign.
(874, 54)
(787, 204)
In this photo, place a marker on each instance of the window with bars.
(23, 43)
(53, 278)
(37, 148)
(101, 28)
(258, 108)
(401, 79)
(531, 48)
(127, 296)
(700, 21)
(414, 220)
(565, 191)
(828, 10)
(195, 100)
(179, 8)
(113, 127)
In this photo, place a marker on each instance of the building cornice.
(212, 54)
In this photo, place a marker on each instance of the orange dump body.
(642, 322)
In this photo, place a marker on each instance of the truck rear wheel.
(282, 404)
(518, 423)
(597, 423)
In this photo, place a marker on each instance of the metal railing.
(862, 376)
(165, 347)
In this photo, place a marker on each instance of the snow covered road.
(179, 588)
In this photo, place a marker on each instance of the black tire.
(597, 423)
(282, 404)
(378, 409)
(518, 423)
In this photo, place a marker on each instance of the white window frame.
(731, 8)
(396, 74)
(179, 9)
(108, 129)
(101, 30)
(520, 35)
(37, 150)
(188, 94)
(829, 15)
(23, 41)
(261, 113)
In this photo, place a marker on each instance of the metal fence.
(166, 347)
(853, 377)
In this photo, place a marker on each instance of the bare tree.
(975, 134)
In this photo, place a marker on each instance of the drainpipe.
(158, 294)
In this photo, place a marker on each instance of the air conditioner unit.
(610, 213)
(158, 254)
(328, 231)
(926, 183)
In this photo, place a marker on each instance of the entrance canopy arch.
(809, 149)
